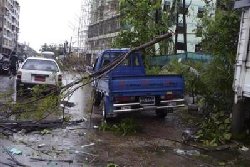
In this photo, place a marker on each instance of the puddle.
(79, 101)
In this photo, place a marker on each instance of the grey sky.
(48, 21)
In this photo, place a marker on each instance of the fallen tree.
(69, 88)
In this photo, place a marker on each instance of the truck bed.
(146, 85)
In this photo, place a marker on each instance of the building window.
(198, 47)
(182, 10)
(200, 12)
(199, 31)
(166, 5)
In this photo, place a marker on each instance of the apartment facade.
(104, 24)
(9, 26)
(194, 12)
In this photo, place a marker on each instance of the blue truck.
(127, 88)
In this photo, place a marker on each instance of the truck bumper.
(134, 107)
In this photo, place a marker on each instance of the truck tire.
(238, 118)
(161, 113)
(104, 112)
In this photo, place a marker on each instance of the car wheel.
(5, 66)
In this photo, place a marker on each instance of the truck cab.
(132, 65)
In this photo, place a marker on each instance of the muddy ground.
(156, 143)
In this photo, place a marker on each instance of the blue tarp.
(165, 59)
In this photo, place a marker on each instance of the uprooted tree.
(214, 83)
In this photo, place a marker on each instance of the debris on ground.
(187, 152)
(243, 148)
(41, 145)
(91, 144)
(15, 151)
(67, 104)
(45, 131)
(57, 160)
(188, 135)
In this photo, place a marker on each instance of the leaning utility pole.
(181, 28)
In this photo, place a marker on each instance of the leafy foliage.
(214, 84)
(220, 40)
(190, 70)
(37, 105)
(126, 127)
(141, 21)
(215, 129)
(112, 165)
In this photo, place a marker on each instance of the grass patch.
(112, 165)
(127, 126)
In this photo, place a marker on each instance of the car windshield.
(43, 65)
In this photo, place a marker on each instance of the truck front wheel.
(238, 118)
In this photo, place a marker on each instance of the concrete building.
(104, 24)
(9, 26)
(195, 10)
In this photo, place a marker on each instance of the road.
(7, 88)
(157, 142)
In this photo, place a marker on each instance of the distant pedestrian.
(13, 64)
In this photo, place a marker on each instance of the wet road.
(7, 85)
(155, 144)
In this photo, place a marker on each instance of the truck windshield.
(130, 61)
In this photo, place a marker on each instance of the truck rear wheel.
(238, 118)
(105, 118)
(161, 113)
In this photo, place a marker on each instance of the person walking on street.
(13, 64)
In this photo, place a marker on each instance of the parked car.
(38, 71)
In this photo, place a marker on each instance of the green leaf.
(222, 163)
(227, 136)
(227, 121)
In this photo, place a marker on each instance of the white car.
(38, 71)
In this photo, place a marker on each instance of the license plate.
(40, 78)
(147, 100)
(172, 103)
(126, 107)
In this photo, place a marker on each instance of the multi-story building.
(9, 26)
(104, 24)
(194, 12)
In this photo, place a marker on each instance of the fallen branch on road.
(14, 126)
(57, 160)
(7, 164)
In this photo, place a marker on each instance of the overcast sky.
(48, 21)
